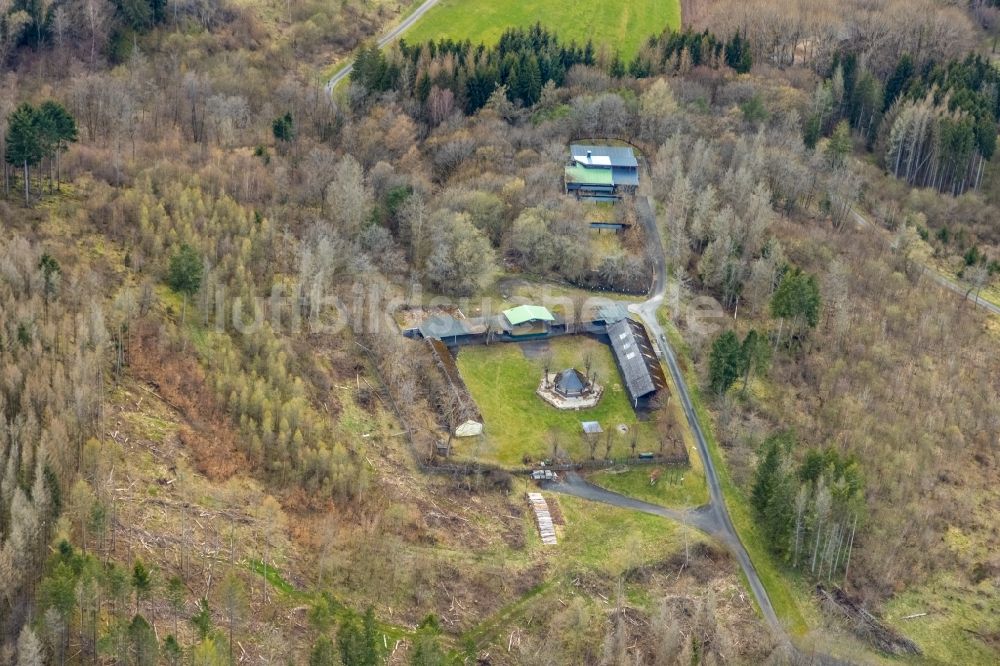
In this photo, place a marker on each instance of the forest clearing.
(218, 447)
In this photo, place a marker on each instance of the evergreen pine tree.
(754, 355)
(797, 299)
(358, 641)
(185, 273)
(25, 144)
(426, 646)
(531, 80)
(323, 653)
(617, 68)
(142, 642)
(767, 477)
(897, 83)
(779, 514)
(725, 362)
(172, 650)
(142, 582)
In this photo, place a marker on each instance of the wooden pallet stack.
(546, 528)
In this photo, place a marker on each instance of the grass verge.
(277, 581)
(677, 487)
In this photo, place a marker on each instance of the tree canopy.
(184, 275)
(523, 61)
(797, 299)
(37, 133)
(725, 362)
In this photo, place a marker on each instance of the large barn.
(637, 362)
(601, 173)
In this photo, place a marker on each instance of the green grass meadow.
(677, 487)
(503, 380)
(618, 25)
(610, 540)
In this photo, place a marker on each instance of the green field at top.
(617, 24)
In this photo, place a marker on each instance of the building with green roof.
(527, 313)
(601, 173)
(527, 320)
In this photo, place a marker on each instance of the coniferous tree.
(738, 54)
(58, 128)
(898, 82)
(175, 597)
(283, 128)
(172, 650)
(812, 130)
(323, 653)
(755, 354)
(25, 144)
(234, 602)
(725, 362)
(779, 515)
(142, 582)
(202, 620)
(358, 641)
(58, 596)
(839, 145)
(796, 300)
(767, 476)
(185, 273)
(50, 274)
(617, 68)
(426, 646)
(142, 642)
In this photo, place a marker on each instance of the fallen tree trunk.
(865, 625)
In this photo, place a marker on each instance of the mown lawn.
(677, 487)
(503, 380)
(618, 24)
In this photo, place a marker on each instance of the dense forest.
(207, 452)
(935, 127)
(522, 63)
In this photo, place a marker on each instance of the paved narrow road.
(724, 528)
(713, 518)
(385, 39)
(945, 282)
(573, 484)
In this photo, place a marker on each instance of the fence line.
(461, 467)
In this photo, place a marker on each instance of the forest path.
(942, 280)
(385, 39)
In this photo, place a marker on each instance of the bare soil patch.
(179, 381)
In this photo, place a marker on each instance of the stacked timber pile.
(545, 527)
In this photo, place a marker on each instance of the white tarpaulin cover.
(469, 429)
